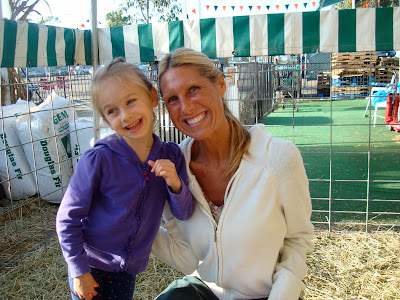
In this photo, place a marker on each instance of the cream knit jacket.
(259, 246)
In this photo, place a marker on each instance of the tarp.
(364, 29)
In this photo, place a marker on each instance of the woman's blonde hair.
(240, 137)
(118, 69)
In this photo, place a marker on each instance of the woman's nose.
(187, 106)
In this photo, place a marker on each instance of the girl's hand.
(84, 286)
(166, 169)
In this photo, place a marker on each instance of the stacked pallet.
(385, 68)
(324, 84)
(352, 73)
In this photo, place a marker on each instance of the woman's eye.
(172, 99)
(193, 89)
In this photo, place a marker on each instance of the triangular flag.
(296, 5)
(250, 7)
(194, 11)
(305, 4)
(314, 3)
(224, 7)
(241, 7)
(187, 16)
(259, 7)
(208, 6)
(233, 7)
(267, 7)
(215, 7)
(287, 6)
(83, 25)
(277, 6)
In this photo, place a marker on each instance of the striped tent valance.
(24, 44)
(367, 29)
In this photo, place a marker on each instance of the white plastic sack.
(82, 137)
(51, 142)
(12, 156)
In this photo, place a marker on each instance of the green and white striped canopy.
(26, 44)
(365, 29)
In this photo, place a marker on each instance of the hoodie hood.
(118, 145)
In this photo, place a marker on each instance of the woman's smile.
(196, 119)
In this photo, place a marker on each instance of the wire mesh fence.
(336, 108)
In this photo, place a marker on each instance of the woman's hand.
(166, 169)
(84, 286)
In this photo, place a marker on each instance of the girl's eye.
(111, 111)
(130, 101)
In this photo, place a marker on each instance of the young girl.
(111, 211)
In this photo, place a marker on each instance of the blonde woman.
(250, 231)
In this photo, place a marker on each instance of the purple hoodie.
(111, 211)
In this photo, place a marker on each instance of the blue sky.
(74, 13)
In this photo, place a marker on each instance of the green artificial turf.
(353, 167)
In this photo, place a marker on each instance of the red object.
(392, 112)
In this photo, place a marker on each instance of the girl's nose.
(125, 116)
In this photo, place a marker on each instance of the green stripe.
(276, 34)
(88, 47)
(384, 29)
(208, 37)
(241, 35)
(10, 39)
(311, 21)
(347, 30)
(33, 45)
(145, 32)
(69, 38)
(117, 41)
(176, 37)
(51, 46)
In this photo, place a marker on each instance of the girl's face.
(194, 102)
(128, 109)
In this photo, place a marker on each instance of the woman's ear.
(222, 85)
(154, 97)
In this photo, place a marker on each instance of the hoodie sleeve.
(182, 204)
(75, 207)
(296, 204)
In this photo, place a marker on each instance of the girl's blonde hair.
(118, 69)
(240, 137)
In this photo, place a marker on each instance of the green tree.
(368, 3)
(144, 11)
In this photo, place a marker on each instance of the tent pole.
(94, 42)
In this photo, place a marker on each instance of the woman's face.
(194, 102)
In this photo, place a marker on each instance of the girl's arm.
(73, 209)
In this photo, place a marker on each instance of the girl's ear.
(154, 97)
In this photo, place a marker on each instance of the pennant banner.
(23, 44)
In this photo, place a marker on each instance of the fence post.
(94, 41)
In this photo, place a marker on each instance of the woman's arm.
(296, 203)
(171, 247)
